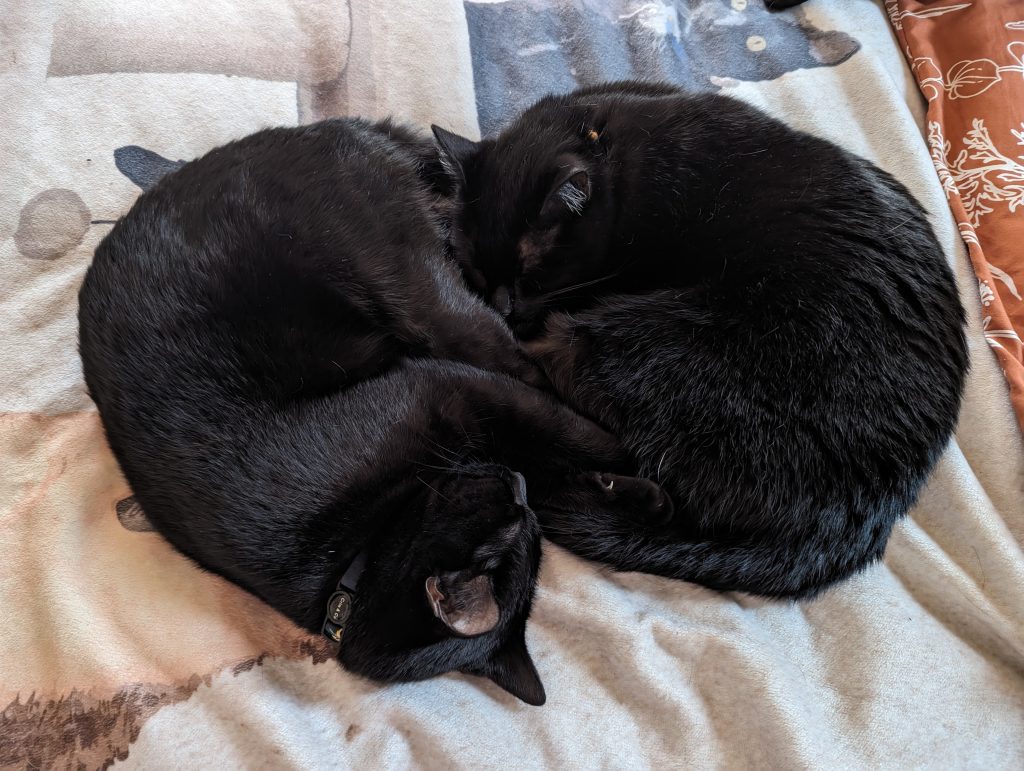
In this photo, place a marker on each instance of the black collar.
(339, 607)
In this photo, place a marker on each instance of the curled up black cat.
(307, 400)
(764, 319)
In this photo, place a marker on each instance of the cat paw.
(642, 500)
(531, 373)
(556, 359)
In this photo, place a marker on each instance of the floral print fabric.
(968, 59)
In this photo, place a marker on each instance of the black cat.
(764, 319)
(296, 381)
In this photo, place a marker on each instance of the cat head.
(539, 202)
(450, 589)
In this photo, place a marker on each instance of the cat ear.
(569, 193)
(455, 150)
(517, 482)
(512, 669)
(465, 604)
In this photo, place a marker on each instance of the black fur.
(765, 320)
(290, 370)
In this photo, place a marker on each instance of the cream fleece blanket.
(114, 648)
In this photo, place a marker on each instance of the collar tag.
(339, 608)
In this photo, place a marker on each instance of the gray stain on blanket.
(523, 49)
(51, 224)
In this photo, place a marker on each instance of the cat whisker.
(431, 487)
(581, 285)
(442, 469)
(657, 473)
(454, 461)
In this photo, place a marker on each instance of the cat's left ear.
(455, 150)
(512, 670)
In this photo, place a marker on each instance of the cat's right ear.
(455, 151)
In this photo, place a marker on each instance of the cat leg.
(556, 352)
(562, 352)
(532, 430)
(569, 462)
(614, 362)
(483, 340)
(626, 498)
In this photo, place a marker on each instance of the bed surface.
(115, 648)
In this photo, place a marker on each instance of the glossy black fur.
(765, 320)
(289, 370)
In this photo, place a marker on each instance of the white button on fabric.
(756, 43)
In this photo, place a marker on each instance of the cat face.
(538, 210)
(452, 588)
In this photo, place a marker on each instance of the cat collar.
(339, 607)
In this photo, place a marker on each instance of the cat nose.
(502, 301)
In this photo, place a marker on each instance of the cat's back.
(734, 180)
(232, 268)
(783, 228)
(283, 195)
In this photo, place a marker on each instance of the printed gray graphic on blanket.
(523, 49)
(142, 166)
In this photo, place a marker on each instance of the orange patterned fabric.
(968, 58)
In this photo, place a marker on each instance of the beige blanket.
(114, 647)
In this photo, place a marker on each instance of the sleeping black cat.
(294, 380)
(764, 319)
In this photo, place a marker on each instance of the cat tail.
(763, 566)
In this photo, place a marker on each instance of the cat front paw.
(556, 353)
(642, 500)
(531, 373)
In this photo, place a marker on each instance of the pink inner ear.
(479, 613)
(469, 608)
